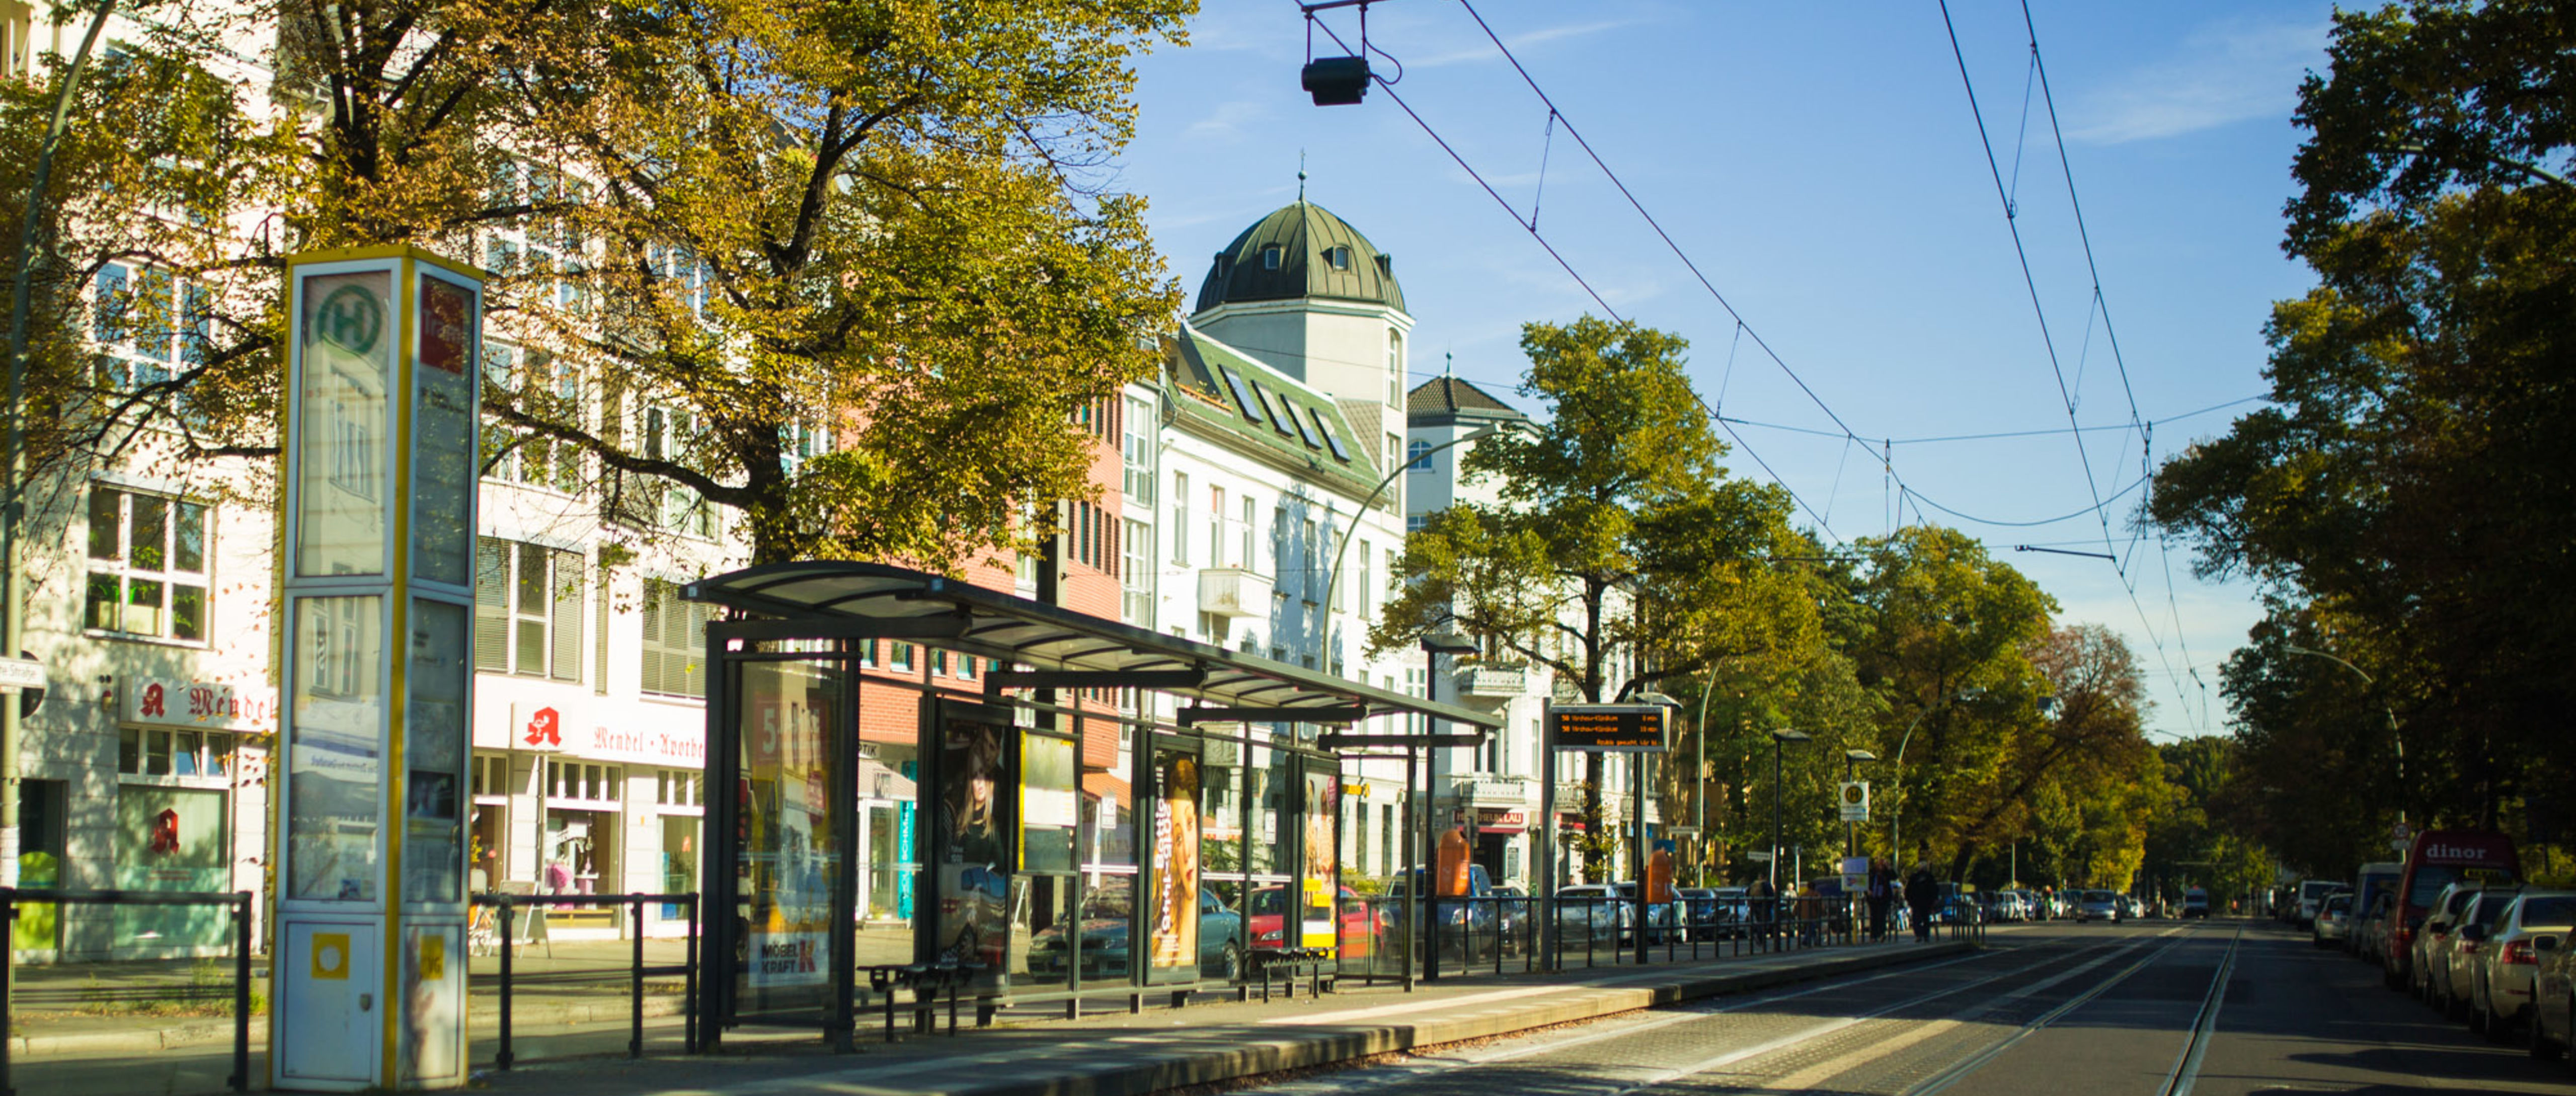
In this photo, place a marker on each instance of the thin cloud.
(1228, 120)
(2228, 72)
(1483, 51)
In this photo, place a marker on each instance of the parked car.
(1592, 915)
(2501, 982)
(2370, 925)
(2195, 903)
(1359, 931)
(1663, 919)
(2451, 961)
(2312, 894)
(1715, 913)
(2553, 998)
(2129, 910)
(1105, 950)
(2439, 919)
(1467, 929)
(2333, 922)
(2098, 905)
(2435, 860)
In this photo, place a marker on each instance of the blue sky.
(1821, 165)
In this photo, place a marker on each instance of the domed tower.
(1306, 293)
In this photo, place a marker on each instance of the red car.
(1360, 927)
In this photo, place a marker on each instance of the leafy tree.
(1622, 556)
(2090, 745)
(2407, 483)
(1943, 621)
(723, 231)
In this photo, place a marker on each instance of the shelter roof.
(850, 598)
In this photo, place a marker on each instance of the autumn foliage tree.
(839, 270)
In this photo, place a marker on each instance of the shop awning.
(827, 599)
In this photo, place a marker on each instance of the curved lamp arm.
(1333, 582)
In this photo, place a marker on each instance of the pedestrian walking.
(1882, 891)
(1920, 894)
(1766, 913)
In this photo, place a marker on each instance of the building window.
(1270, 257)
(675, 642)
(1394, 368)
(1368, 590)
(491, 775)
(547, 385)
(1181, 519)
(899, 655)
(152, 751)
(147, 565)
(1338, 257)
(1418, 456)
(674, 788)
(575, 780)
(1216, 527)
(1245, 559)
(527, 610)
(1136, 580)
(1413, 523)
(1137, 450)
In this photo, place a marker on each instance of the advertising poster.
(972, 844)
(334, 765)
(1323, 807)
(1050, 808)
(787, 837)
(443, 470)
(1173, 920)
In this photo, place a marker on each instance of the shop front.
(185, 752)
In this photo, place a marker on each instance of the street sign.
(1855, 801)
(1608, 728)
(1758, 854)
(1681, 831)
(21, 673)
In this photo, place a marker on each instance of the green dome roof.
(1301, 250)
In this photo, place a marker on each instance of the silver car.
(2334, 920)
(2500, 997)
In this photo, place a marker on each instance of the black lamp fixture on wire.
(1335, 81)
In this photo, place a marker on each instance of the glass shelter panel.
(342, 439)
(334, 759)
(434, 737)
(789, 852)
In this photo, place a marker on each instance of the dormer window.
(1224, 264)
(1338, 257)
(1386, 266)
(1270, 257)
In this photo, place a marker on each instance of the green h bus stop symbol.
(351, 318)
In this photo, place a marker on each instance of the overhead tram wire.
(2110, 331)
(1531, 227)
(2039, 311)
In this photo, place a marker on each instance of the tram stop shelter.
(988, 834)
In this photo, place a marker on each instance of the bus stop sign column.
(374, 647)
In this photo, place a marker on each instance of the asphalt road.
(2217, 1008)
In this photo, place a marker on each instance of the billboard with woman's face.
(1173, 921)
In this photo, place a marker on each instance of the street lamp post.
(2395, 740)
(1779, 742)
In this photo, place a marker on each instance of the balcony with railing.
(1233, 592)
(1495, 681)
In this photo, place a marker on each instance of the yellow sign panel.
(331, 956)
(433, 957)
